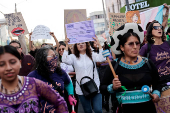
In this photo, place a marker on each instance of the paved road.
(80, 108)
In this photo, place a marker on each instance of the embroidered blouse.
(133, 77)
(26, 100)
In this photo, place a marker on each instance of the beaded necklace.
(130, 62)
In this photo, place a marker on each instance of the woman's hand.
(30, 34)
(166, 6)
(67, 40)
(52, 34)
(116, 83)
(97, 42)
(155, 98)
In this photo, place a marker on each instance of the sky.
(48, 12)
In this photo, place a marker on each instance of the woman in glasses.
(47, 68)
(83, 61)
(69, 70)
(157, 49)
(20, 94)
(133, 73)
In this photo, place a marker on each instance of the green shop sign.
(144, 4)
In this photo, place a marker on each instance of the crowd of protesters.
(50, 79)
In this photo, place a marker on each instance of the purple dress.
(27, 99)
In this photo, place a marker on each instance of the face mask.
(52, 64)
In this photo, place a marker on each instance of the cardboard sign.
(41, 32)
(16, 24)
(133, 17)
(80, 31)
(116, 20)
(163, 106)
(77, 15)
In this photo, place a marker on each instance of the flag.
(150, 15)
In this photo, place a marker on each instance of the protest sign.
(16, 24)
(163, 106)
(116, 20)
(77, 15)
(80, 31)
(133, 17)
(41, 32)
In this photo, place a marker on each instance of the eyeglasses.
(53, 56)
(131, 44)
(157, 27)
(61, 49)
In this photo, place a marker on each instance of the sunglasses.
(157, 27)
(61, 49)
(131, 44)
(53, 56)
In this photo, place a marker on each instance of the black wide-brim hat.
(124, 29)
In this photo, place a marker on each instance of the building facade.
(4, 36)
(99, 23)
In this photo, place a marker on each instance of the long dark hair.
(88, 50)
(69, 51)
(94, 48)
(149, 33)
(10, 49)
(41, 64)
(123, 39)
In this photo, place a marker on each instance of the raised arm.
(68, 59)
(56, 41)
(165, 19)
(31, 46)
(21, 39)
(98, 57)
(47, 93)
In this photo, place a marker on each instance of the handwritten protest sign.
(77, 15)
(41, 32)
(80, 31)
(163, 106)
(16, 23)
(133, 17)
(116, 20)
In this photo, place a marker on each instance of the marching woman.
(47, 68)
(70, 71)
(83, 60)
(20, 94)
(133, 73)
(158, 50)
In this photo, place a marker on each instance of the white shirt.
(84, 67)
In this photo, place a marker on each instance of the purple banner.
(80, 31)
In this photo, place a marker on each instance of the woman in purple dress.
(21, 94)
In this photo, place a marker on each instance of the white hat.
(124, 29)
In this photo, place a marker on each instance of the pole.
(106, 28)
(127, 4)
(15, 8)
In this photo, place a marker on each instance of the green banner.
(145, 4)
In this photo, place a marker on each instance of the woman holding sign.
(83, 61)
(134, 73)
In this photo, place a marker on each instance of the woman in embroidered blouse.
(47, 68)
(21, 94)
(133, 72)
(83, 64)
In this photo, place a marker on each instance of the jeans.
(96, 102)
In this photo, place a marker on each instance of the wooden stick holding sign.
(106, 53)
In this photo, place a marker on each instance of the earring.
(153, 39)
